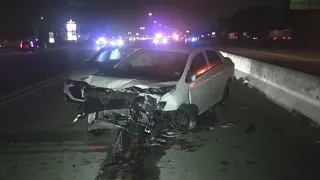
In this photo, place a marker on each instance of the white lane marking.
(30, 89)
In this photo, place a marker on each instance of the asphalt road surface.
(20, 70)
(250, 138)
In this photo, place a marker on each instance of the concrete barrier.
(296, 91)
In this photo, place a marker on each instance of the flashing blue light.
(193, 39)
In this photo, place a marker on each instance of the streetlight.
(41, 17)
(150, 14)
(154, 21)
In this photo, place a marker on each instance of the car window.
(198, 65)
(155, 63)
(143, 60)
(106, 55)
(115, 54)
(103, 57)
(213, 58)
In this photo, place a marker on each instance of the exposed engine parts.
(105, 109)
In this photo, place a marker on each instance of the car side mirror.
(191, 77)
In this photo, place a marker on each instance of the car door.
(200, 91)
(216, 71)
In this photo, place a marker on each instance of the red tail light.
(21, 44)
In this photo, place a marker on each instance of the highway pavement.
(250, 138)
(19, 70)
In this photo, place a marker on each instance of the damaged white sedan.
(159, 89)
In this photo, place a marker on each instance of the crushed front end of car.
(125, 104)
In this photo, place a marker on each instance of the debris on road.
(228, 125)
(122, 161)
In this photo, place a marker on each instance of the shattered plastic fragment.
(77, 118)
(228, 125)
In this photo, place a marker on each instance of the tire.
(191, 114)
(226, 93)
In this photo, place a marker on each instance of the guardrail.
(296, 91)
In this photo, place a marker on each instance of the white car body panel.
(206, 91)
(119, 83)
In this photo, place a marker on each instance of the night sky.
(180, 14)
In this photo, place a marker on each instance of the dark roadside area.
(20, 70)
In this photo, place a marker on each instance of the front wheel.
(91, 118)
(226, 94)
(188, 116)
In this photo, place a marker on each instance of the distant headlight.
(113, 43)
(165, 41)
(120, 42)
(155, 41)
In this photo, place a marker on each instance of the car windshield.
(155, 63)
(108, 54)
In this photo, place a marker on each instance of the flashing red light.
(21, 44)
(31, 43)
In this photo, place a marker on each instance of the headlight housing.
(161, 91)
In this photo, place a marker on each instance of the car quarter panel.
(200, 91)
(218, 74)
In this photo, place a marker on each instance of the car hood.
(120, 83)
(80, 74)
